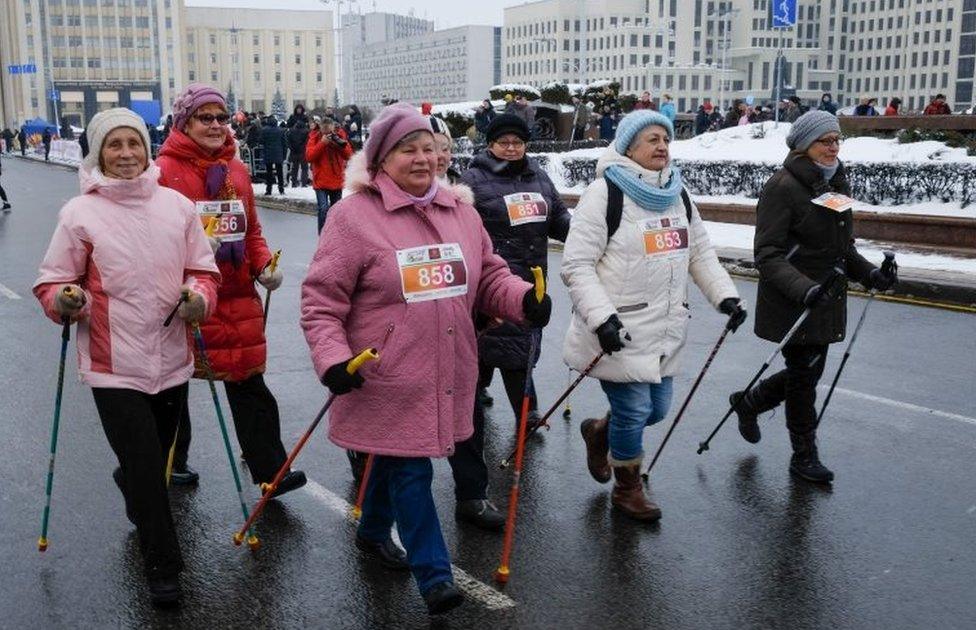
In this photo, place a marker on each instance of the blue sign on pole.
(25, 68)
(54, 95)
(782, 13)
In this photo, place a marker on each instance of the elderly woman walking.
(199, 159)
(401, 265)
(635, 242)
(118, 285)
(798, 213)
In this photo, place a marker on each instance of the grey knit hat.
(809, 127)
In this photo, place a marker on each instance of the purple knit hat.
(192, 98)
(394, 123)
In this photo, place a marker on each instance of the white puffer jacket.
(648, 292)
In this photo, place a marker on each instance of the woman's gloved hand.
(214, 243)
(69, 301)
(537, 313)
(611, 334)
(736, 312)
(194, 308)
(271, 280)
(340, 381)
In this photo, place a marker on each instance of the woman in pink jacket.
(121, 254)
(401, 266)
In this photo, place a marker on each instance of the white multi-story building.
(456, 64)
(89, 56)
(359, 30)
(256, 54)
(724, 49)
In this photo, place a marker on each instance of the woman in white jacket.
(629, 288)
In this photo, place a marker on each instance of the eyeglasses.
(830, 141)
(513, 144)
(207, 119)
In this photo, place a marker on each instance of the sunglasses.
(207, 119)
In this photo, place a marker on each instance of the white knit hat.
(104, 122)
(438, 125)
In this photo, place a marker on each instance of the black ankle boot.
(165, 592)
(748, 418)
(805, 462)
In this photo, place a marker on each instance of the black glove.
(736, 312)
(882, 281)
(609, 335)
(816, 296)
(339, 381)
(537, 313)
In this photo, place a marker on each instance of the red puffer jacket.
(327, 160)
(234, 334)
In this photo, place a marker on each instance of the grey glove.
(69, 300)
(194, 308)
(271, 280)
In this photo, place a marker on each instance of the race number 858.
(435, 275)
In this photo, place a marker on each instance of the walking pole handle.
(273, 265)
(369, 354)
(211, 227)
(540, 284)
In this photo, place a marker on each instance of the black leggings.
(257, 424)
(140, 429)
(3, 194)
(796, 385)
(514, 381)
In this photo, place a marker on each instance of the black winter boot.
(805, 462)
(748, 417)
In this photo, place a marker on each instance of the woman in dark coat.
(521, 209)
(798, 244)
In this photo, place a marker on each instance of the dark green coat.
(785, 218)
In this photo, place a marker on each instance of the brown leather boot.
(628, 495)
(594, 431)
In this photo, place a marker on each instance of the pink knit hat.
(192, 98)
(394, 123)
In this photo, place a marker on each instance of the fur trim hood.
(359, 180)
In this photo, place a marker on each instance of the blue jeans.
(399, 492)
(324, 198)
(634, 406)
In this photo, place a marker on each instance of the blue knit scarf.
(645, 194)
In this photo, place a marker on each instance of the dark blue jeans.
(634, 406)
(399, 492)
(324, 198)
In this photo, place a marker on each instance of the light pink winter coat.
(131, 245)
(418, 398)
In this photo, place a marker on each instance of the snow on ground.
(931, 208)
(738, 144)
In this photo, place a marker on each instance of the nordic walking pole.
(567, 412)
(252, 540)
(887, 267)
(543, 421)
(65, 336)
(172, 454)
(272, 266)
(836, 277)
(357, 510)
(694, 387)
(502, 572)
(267, 490)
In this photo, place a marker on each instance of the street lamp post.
(726, 16)
(338, 34)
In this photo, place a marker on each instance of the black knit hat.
(507, 123)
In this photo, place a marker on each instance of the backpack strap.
(687, 201)
(615, 208)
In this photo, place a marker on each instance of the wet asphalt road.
(891, 545)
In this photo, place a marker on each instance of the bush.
(953, 139)
(627, 102)
(458, 123)
(556, 93)
(498, 92)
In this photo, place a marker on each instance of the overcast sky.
(445, 13)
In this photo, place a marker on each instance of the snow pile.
(738, 144)
(466, 108)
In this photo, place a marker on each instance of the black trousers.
(274, 170)
(140, 428)
(796, 385)
(257, 424)
(514, 381)
(3, 194)
(293, 172)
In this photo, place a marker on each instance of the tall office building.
(73, 58)
(257, 54)
(359, 30)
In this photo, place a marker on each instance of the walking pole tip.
(567, 413)
(702, 447)
(238, 539)
(42, 544)
(504, 464)
(253, 543)
(502, 574)
(265, 487)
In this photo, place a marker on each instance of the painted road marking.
(480, 592)
(4, 291)
(907, 406)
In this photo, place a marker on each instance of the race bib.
(526, 208)
(231, 218)
(432, 272)
(834, 201)
(665, 238)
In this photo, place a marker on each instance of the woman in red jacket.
(327, 152)
(199, 159)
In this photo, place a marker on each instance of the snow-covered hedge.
(876, 184)
(515, 89)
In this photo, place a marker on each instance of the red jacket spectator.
(327, 159)
(937, 107)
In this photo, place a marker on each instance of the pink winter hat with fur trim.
(394, 123)
(191, 99)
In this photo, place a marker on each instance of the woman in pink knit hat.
(401, 265)
(199, 159)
